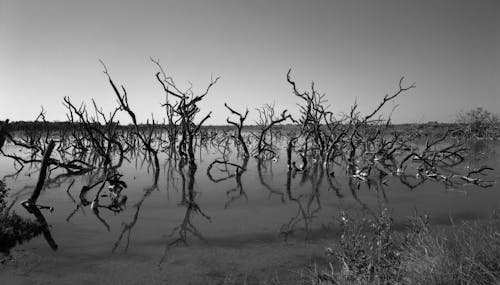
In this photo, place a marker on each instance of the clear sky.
(350, 49)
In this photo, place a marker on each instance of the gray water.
(262, 210)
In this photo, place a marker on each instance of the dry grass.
(463, 253)
(468, 253)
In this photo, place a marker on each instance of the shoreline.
(297, 262)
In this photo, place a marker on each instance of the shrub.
(478, 121)
(13, 228)
(369, 251)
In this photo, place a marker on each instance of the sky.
(352, 50)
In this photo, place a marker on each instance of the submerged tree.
(267, 120)
(186, 108)
(239, 128)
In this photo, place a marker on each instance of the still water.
(247, 207)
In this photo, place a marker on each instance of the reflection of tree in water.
(31, 203)
(107, 173)
(366, 169)
(127, 227)
(35, 211)
(117, 200)
(479, 150)
(308, 204)
(266, 165)
(237, 192)
(179, 234)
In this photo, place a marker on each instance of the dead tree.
(30, 204)
(313, 115)
(267, 120)
(363, 129)
(187, 109)
(103, 137)
(145, 138)
(239, 127)
(237, 192)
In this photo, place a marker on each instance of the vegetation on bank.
(371, 251)
(465, 253)
(13, 228)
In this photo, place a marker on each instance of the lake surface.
(220, 213)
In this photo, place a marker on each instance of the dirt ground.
(196, 264)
